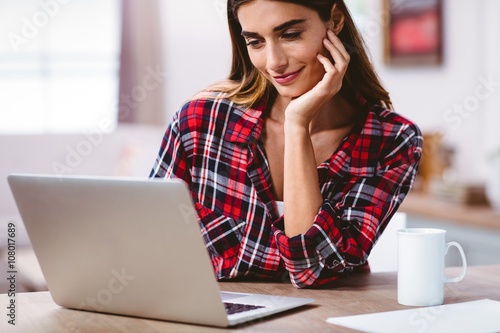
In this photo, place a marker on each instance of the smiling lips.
(287, 78)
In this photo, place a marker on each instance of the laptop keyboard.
(232, 308)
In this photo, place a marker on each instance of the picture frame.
(413, 33)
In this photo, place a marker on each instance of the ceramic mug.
(421, 277)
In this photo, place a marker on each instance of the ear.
(336, 23)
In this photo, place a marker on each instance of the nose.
(277, 60)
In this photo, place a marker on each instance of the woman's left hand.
(302, 109)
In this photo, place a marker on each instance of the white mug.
(421, 277)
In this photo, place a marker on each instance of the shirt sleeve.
(171, 161)
(344, 232)
(222, 235)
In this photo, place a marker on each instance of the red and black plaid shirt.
(213, 145)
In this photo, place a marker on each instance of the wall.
(197, 48)
(198, 52)
(432, 96)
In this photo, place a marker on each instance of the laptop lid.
(124, 246)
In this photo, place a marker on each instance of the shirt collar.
(244, 124)
(359, 152)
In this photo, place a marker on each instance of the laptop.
(130, 247)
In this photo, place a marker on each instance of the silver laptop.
(129, 247)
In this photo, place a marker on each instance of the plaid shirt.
(213, 145)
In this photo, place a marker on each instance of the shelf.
(471, 216)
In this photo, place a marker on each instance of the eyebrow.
(280, 27)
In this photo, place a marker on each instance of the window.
(59, 63)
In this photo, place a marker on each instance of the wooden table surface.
(359, 294)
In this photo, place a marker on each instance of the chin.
(290, 92)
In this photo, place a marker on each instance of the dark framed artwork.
(413, 32)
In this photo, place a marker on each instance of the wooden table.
(367, 293)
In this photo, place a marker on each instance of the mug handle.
(464, 262)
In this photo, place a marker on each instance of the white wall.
(432, 96)
(198, 52)
(491, 64)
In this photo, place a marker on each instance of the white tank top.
(281, 209)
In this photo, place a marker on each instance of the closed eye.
(291, 35)
(253, 43)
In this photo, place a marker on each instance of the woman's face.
(283, 40)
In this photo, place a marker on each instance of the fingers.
(338, 44)
(332, 81)
(339, 54)
(327, 63)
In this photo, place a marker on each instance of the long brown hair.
(246, 85)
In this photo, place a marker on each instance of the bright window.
(59, 62)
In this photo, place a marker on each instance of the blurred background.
(88, 87)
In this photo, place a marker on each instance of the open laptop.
(129, 247)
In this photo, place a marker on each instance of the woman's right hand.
(301, 110)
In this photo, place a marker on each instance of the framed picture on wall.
(413, 32)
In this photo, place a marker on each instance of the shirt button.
(336, 263)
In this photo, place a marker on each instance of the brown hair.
(247, 86)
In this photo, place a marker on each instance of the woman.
(299, 120)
